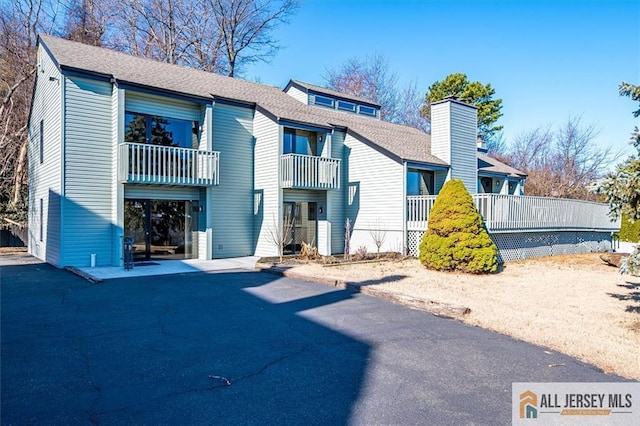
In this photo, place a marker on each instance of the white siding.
(163, 106)
(298, 94)
(45, 180)
(233, 197)
(267, 193)
(373, 183)
(453, 139)
(336, 198)
(88, 172)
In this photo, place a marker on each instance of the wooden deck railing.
(309, 172)
(166, 165)
(511, 213)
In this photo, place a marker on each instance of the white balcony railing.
(167, 165)
(512, 213)
(309, 172)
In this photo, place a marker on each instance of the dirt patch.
(573, 304)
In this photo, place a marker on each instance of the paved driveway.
(247, 348)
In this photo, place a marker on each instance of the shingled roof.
(402, 142)
(491, 165)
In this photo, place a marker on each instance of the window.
(41, 219)
(299, 142)
(41, 141)
(365, 110)
(512, 187)
(487, 185)
(157, 130)
(347, 106)
(420, 182)
(323, 100)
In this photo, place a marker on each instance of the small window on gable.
(365, 110)
(323, 100)
(347, 106)
(41, 141)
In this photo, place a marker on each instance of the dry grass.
(572, 304)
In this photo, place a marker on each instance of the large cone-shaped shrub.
(456, 239)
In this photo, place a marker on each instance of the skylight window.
(365, 110)
(323, 100)
(347, 106)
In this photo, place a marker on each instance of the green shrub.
(629, 231)
(456, 239)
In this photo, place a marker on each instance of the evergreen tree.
(456, 239)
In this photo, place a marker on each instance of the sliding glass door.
(162, 229)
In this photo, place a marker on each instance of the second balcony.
(309, 172)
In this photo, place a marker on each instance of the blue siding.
(233, 197)
(45, 179)
(88, 173)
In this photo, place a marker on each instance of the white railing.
(157, 164)
(309, 172)
(512, 213)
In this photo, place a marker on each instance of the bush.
(456, 239)
(629, 231)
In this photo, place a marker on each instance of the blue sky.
(547, 60)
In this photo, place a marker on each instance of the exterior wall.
(45, 180)
(267, 195)
(298, 94)
(88, 200)
(160, 105)
(453, 139)
(233, 199)
(117, 188)
(375, 200)
(154, 192)
(336, 198)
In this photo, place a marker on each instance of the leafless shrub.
(280, 234)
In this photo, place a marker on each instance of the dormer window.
(365, 110)
(346, 106)
(323, 100)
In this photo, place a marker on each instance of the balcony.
(309, 172)
(167, 165)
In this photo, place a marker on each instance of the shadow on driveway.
(161, 350)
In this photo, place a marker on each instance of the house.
(189, 164)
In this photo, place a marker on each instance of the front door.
(300, 221)
(162, 229)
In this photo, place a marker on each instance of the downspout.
(404, 209)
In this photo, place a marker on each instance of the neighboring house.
(191, 164)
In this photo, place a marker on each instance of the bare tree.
(281, 234)
(371, 78)
(87, 20)
(378, 235)
(247, 28)
(562, 162)
(20, 23)
(347, 239)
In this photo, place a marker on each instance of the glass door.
(162, 229)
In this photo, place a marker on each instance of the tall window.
(157, 130)
(41, 219)
(299, 142)
(41, 141)
(420, 182)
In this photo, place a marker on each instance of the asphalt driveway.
(247, 348)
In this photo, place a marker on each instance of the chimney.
(482, 146)
(454, 130)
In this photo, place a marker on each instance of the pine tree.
(456, 239)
